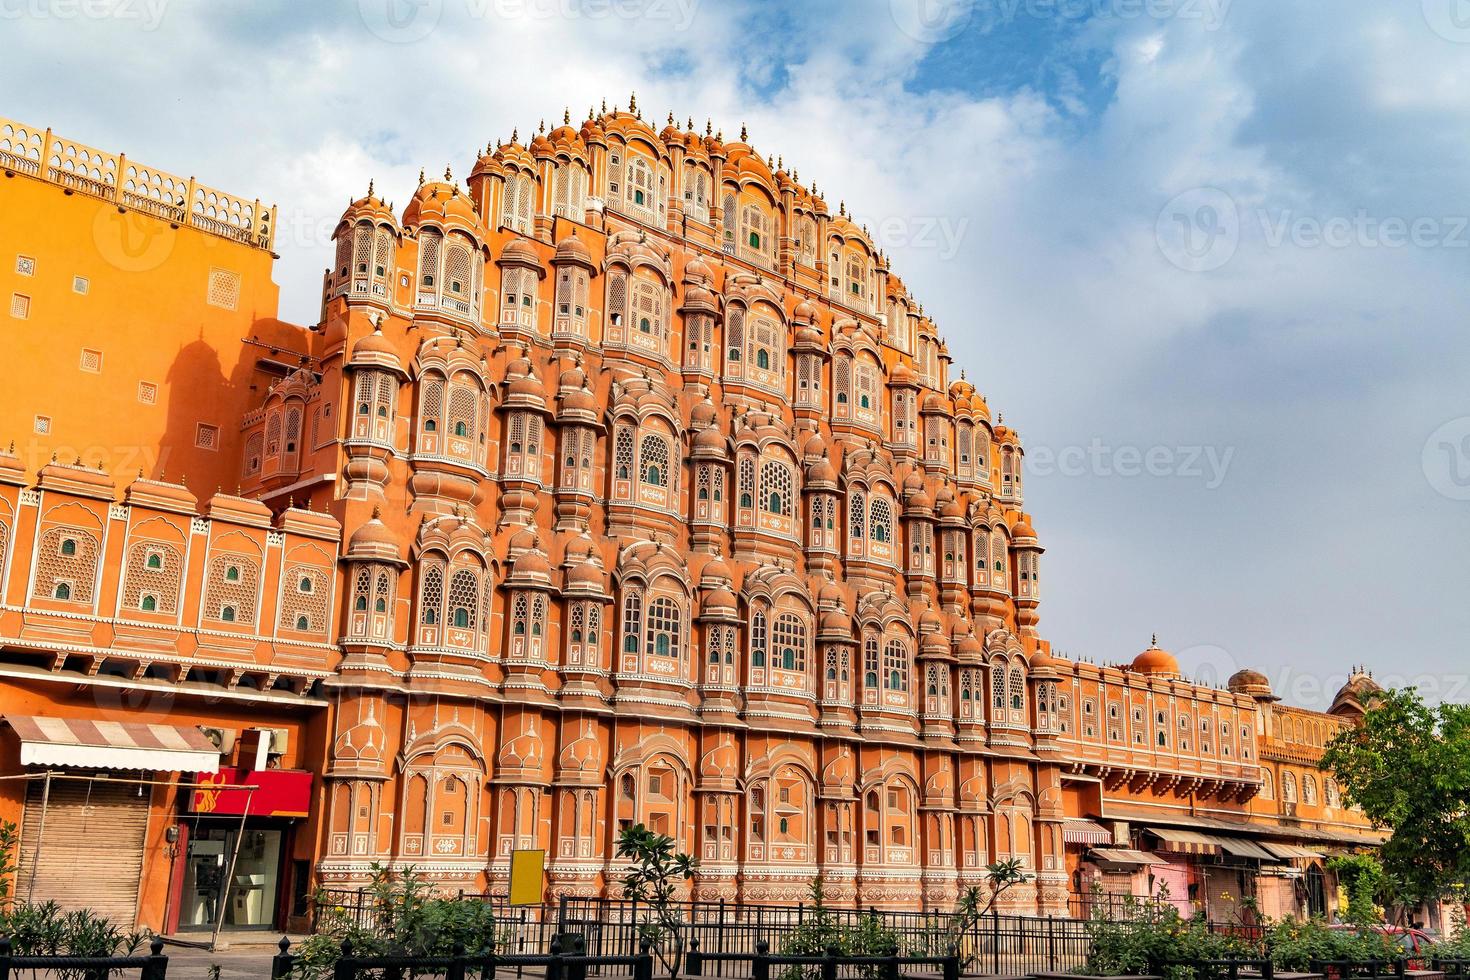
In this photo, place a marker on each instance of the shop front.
(233, 839)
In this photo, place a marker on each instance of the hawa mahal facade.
(622, 481)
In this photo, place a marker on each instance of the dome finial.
(421, 176)
(541, 127)
(515, 134)
(709, 127)
(671, 117)
(604, 106)
(448, 177)
(566, 116)
(1155, 640)
(370, 187)
(632, 101)
(743, 135)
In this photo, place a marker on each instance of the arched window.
(882, 523)
(464, 598)
(896, 666)
(149, 604)
(1288, 787)
(155, 561)
(790, 637)
(758, 639)
(776, 488)
(431, 595)
(653, 459)
(632, 620)
(663, 628)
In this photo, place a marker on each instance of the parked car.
(1414, 941)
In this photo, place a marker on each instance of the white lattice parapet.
(113, 177)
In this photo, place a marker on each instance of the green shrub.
(405, 921)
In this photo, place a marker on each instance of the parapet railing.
(83, 169)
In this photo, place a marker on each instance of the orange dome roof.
(444, 204)
(1156, 661)
(370, 208)
(572, 251)
(586, 574)
(373, 541)
(1252, 683)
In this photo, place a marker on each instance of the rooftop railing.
(83, 169)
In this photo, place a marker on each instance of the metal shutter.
(92, 852)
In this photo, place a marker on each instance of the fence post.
(952, 966)
(281, 962)
(346, 966)
(1268, 968)
(561, 913)
(4, 958)
(554, 968)
(995, 940)
(1051, 942)
(455, 970)
(890, 966)
(643, 968)
(760, 967)
(829, 965)
(694, 961)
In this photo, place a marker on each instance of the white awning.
(112, 745)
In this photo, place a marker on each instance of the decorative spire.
(421, 176)
(1155, 641)
(566, 115)
(708, 126)
(743, 135)
(370, 187)
(604, 107)
(448, 177)
(542, 127)
(671, 117)
(633, 102)
(515, 135)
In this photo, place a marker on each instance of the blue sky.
(1208, 256)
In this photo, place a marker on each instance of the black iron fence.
(154, 966)
(1229, 968)
(831, 965)
(1358, 969)
(614, 927)
(560, 962)
(1454, 968)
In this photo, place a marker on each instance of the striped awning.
(112, 745)
(1124, 855)
(1288, 851)
(1241, 847)
(1078, 831)
(1186, 841)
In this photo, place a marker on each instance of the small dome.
(715, 571)
(710, 438)
(522, 540)
(969, 646)
(1355, 696)
(372, 539)
(571, 250)
(443, 203)
(1252, 683)
(520, 252)
(1156, 661)
(587, 574)
(836, 621)
(829, 594)
(532, 563)
(902, 374)
(1022, 529)
(719, 600)
(697, 268)
(821, 470)
(805, 312)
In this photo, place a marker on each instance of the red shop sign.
(277, 793)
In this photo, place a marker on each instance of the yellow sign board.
(526, 877)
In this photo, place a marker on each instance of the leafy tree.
(1362, 875)
(1407, 767)
(652, 879)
